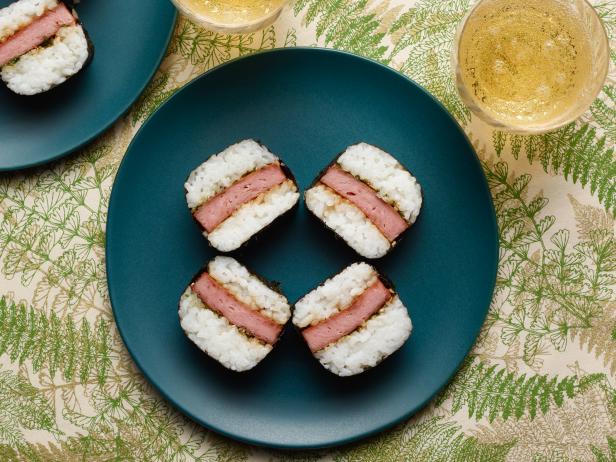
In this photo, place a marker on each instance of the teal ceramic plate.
(306, 105)
(130, 38)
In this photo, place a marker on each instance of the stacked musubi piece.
(232, 315)
(42, 44)
(228, 312)
(367, 198)
(354, 319)
(237, 193)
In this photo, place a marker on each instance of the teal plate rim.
(380, 428)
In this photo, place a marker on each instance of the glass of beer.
(231, 16)
(530, 66)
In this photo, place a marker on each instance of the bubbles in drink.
(525, 61)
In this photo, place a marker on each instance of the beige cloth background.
(540, 383)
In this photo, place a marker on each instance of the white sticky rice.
(346, 220)
(45, 67)
(222, 170)
(379, 337)
(253, 216)
(249, 289)
(390, 180)
(20, 14)
(334, 295)
(217, 337)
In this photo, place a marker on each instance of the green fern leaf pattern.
(421, 39)
(225, 450)
(54, 344)
(131, 426)
(434, 440)
(491, 391)
(607, 13)
(25, 452)
(556, 290)
(22, 407)
(58, 235)
(205, 49)
(610, 456)
(62, 452)
(576, 152)
(156, 93)
(290, 39)
(426, 35)
(345, 25)
(603, 111)
(601, 339)
(296, 456)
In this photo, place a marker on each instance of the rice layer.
(391, 181)
(363, 349)
(45, 67)
(222, 170)
(334, 295)
(253, 216)
(347, 221)
(249, 289)
(20, 14)
(219, 338)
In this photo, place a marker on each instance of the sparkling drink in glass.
(530, 66)
(231, 16)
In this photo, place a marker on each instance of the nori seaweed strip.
(90, 50)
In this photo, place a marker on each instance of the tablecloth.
(540, 383)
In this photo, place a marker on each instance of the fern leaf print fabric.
(538, 385)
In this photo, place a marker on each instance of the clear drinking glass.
(231, 16)
(530, 66)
